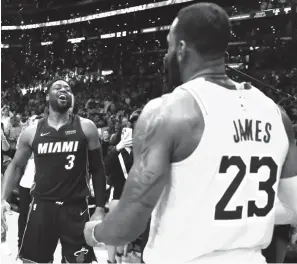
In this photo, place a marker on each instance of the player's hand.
(88, 233)
(5, 208)
(124, 143)
(98, 215)
(2, 135)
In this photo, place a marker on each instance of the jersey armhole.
(200, 103)
(78, 120)
(37, 132)
(279, 111)
(282, 120)
(204, 113)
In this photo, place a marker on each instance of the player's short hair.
(206, 26)
(51, 82)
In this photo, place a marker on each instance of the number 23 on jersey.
(266, 187)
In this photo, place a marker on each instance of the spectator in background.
(33, 114)
(116, 136)
(125, 121)
(13, 132)
(105, 142)
(4, 143)
(4, 147)
(18, 117)
(5, 116)
(24, 121)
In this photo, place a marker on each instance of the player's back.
(219, 203)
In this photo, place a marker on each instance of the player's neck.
(57, 119)
(215, 67)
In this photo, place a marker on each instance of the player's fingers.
(8, 209)
(4, 223)
(3, 211)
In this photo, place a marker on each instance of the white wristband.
(93, 235)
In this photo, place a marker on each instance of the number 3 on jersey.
(252, 209)
(70, 164)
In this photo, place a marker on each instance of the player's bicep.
(147, 177)
(92, 135)
(24, 150)
(151, 151)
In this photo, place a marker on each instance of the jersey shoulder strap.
(40, 125)
(76, 122)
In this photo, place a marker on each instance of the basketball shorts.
(48, 222)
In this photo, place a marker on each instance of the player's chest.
(64, 141)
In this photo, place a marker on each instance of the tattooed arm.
(152, 148)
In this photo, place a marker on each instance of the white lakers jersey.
(219, 205)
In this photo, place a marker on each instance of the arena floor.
(12, 220)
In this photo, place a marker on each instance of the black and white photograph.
(148, 131)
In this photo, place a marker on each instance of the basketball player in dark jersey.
(63, 145)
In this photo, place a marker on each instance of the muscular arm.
(152, 143)
(13, 172)
(95, 162)
(287, 192)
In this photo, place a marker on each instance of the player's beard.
(173, 71)
(58, 107)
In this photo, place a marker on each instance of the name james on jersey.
(254, 130)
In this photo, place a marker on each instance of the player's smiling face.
(60, 96)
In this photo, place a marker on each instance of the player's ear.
(181, 50)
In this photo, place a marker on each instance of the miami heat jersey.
(61, 161)
(219, 205)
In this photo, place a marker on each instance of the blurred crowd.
(110, 100)
(113, 77)
(108, 108)
(45, 11)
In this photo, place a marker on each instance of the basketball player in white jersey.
(210, 158)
